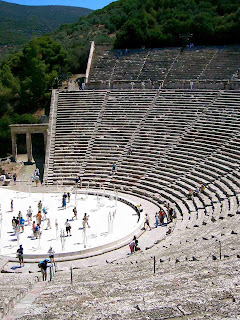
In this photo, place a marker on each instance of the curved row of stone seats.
(223, 65)
(76, 120)
(157, 64)
(189, 281)
(190, 64)
(13, 287)
(166, 65)
(167, 142)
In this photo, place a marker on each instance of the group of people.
(35, 177)
(193, 193)
(65, 197)
(42, 264)
(133, 245)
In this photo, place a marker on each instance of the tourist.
(36, 178)
(190, 194)
(31, 178)
(68, 227)
(202, 188)
(147, 222)
(129, 151)
(161, 217)
(195, 192)
(48, 224)
(14, 224)
(43, 266)
(68, 196)
(29, 215)
(18, 232)
(22, 222)
(74, 213)
(51, 253)
(37, 231)
(33, 228)
(169, 230)
(20, 255)
(132, 85)
(12, 205)
(170, 214)
(113, 167)
(14, 178)
(40, 206)
(85, 221)
(191, 85)
(19, 216)
(39, 217)
(64, 202)
(44, 210)
(131, 246)
(156, 219)
(136, 247)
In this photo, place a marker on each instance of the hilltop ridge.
(18, 23)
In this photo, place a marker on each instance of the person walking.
(147, 222)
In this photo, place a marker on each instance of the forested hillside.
(154, 23)
(19, 23)
(26, 77)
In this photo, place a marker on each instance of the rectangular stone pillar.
(14, 145)
(29, 146)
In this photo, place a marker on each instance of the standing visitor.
(68, 228)
(85, 221)
(40, 206)
(14, 178)
(68, 196)
(64, 202)
(156, 219)
(20, 255)
(51, 253)
(74, 213)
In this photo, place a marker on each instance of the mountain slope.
(19, 23)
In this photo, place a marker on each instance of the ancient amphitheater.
(169, 120)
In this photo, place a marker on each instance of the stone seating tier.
(166, 66)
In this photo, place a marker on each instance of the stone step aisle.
(21, 308)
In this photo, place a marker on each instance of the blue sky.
(91, 4)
